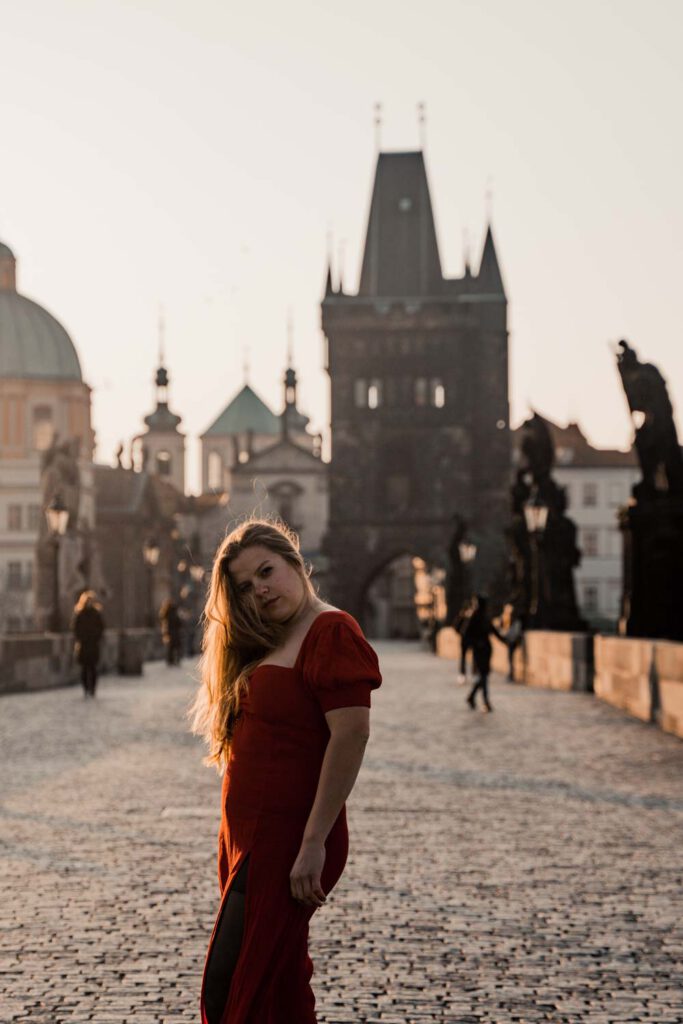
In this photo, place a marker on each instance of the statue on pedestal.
(63, 563)
(542, 562)
(652, 524)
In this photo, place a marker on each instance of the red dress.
(268, 791)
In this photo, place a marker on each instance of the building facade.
(46, 448)
(418, 367)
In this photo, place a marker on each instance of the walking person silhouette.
(477, 638)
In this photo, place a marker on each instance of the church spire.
(329, 287)
(489, 271)
(162, 374)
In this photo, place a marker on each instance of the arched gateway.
(418, 367)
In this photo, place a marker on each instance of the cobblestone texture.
(516, 867)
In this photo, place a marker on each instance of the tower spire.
(341, 251)
(290, 337)
(161, 331)
(422, 124)
(489, 271)
(378, 126)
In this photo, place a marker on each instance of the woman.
(88, 627)
(284, 707)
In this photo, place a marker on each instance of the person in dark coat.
(460, 624)
(88, 627)
(171, 630)
(477, 638)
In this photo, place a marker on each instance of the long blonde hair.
(236, 638)
(87, 599)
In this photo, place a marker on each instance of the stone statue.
(60, 477)
(652, 524)
(656, 441)
(542, 564)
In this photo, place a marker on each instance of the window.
(360, 393)
(420, 391)
(163, 463)
(589, 543)
(14, 517)
(42, 427)
(590, 494)
(437, 393)
(28, 577)
(374, 394)
(34, 517)
(590, 598)
(617, 496)
(14, 576)
(215, 471)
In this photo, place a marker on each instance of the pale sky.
(196, 154)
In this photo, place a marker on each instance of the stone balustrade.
(41, 661)
(642, 677)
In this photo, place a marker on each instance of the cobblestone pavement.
(516, 867)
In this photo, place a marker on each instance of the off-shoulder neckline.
(291, 668)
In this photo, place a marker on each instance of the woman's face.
(275, 585)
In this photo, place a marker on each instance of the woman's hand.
(304, 878)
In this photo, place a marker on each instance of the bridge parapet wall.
(42, 661)
(643, 677)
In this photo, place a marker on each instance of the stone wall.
(558, 661)
(643, 677)
(42, 661)
(448, 646)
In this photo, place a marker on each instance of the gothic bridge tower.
(418, 367)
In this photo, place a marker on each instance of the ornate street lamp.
(197, 573)
(57, 515)
(536, 516)
(467, 551)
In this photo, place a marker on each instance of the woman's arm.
(349, 732)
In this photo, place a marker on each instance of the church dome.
(33, 345)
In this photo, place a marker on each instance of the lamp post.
(150, 552)
(467, 550)
(57, 515)
(536, 516)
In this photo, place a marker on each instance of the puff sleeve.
(341, 668)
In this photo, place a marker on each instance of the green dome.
(33, 345)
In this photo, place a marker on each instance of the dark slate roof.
(162, 420)
(401, 255)
(572, 449)
(245, 412)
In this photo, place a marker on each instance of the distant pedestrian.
(171, 631)
(460, 624)
(511, 631)
(477, 638)
(88, 627)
